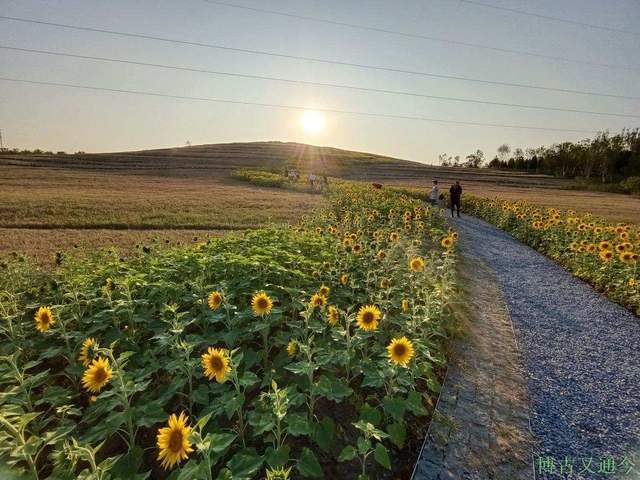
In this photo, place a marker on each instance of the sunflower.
(604, 245)
(44, 319)
(381, 254)
(632, 282)
(417, 242)
(324, 290)
(215, 364)
(261, 304)
(405, 305)
(344, 279)
(446, 242)
(606, 255)
(318, 300)
(347, 242)
(97, 375)
(384, 284)
(215, 300)
(368, 316)
(88, 351)
(357, 248)
(400, 351)
(292, 348)
(333, 315)
(394, 236)
(626, 257)
(173, 441)
(416, 264)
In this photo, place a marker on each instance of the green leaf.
(415, 404)
(234, 404)
(398, 434)
(370, 414)
(277, 458)
(308, 464)
(149, 414)
(348, 453)
(221, 441)
(248, 378)
(127, 465)
(394, 407)
(364, 445)
(201, 395)
(297, 424)
(244, 464)
(382, 456)
(261, 422)
(324, 433)
(433, 385)
(333, 388)
(192, 470)
(225, 474)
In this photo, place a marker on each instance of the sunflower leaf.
(308, 464)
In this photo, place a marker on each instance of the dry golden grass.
(53, 203)
(43, 244)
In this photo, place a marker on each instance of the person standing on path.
(435, 193)
(456, 193)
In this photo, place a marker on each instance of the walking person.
(456, 193)
(435, 194)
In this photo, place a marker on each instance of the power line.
(292, 107)
(326, 61)
(311, 83)
(422, 36)
(549, 17)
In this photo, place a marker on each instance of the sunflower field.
(601, 253)
(313, 351)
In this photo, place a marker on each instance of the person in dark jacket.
(456, 193)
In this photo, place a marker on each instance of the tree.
(444, 160)
(474, 160)
(503, 152)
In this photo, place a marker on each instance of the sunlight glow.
(312, 122)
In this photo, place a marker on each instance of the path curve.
(581, 353)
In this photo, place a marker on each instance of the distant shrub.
(265, 178)
(631, 184)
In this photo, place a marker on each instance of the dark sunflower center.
(216, 363)
(100, 375)
(400, 349)
(45, 318)
(367, 317)
(175, 441)
(262, 303)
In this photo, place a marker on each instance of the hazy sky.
(69, 119)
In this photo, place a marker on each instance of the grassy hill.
(221, 159)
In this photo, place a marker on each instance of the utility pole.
(1, 144)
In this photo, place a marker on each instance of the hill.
(217, 159)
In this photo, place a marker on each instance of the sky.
(61, 118)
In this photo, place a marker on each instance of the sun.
(312, 122)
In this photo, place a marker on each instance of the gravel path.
(581, 353)
(480, 429)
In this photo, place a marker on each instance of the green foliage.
(574, 241)
(335, 396)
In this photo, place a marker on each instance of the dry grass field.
(51, 203)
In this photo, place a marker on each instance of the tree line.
(607, 158)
